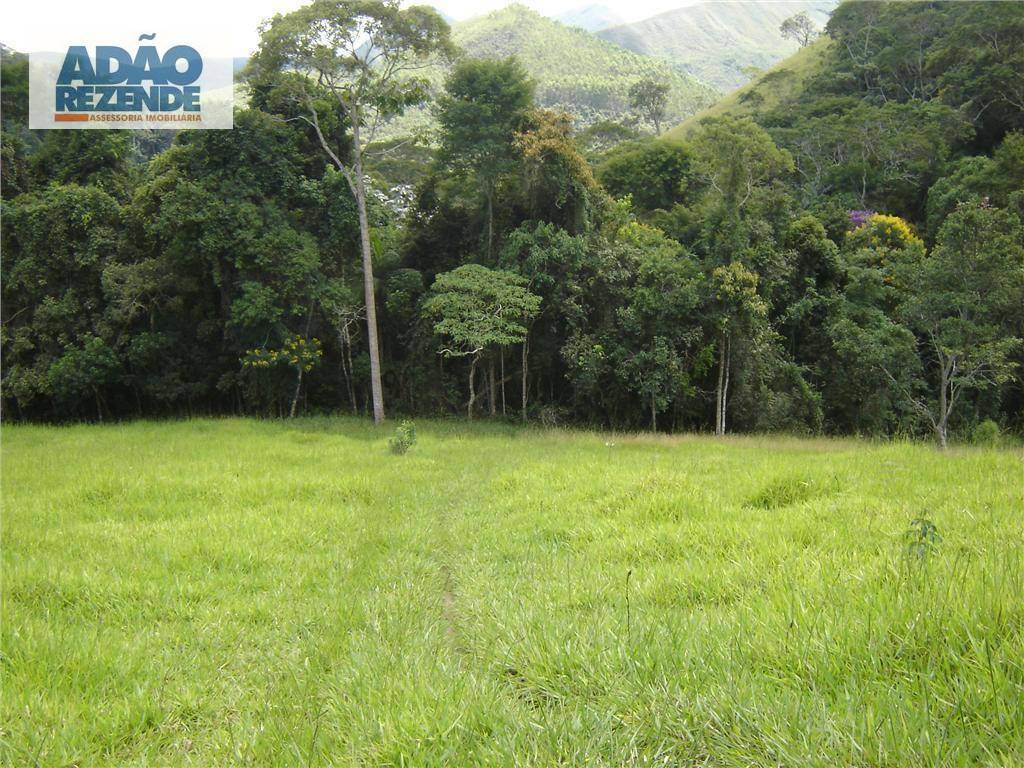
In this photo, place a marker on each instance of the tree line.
(853, 263)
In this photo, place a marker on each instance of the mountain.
(781, 84)
(718, 42)
(884, 113)
(573, 69)
(591, 18)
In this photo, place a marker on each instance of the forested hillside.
(844, 257)
(893, 99)
(574, 70)
(782, 83)
(719, 43)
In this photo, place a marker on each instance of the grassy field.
(234, 592)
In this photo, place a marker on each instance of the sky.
(216, 28)
(629, 10)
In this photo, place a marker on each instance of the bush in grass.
(782, 492)
(921, 538)
(986, 433)
(403, 439)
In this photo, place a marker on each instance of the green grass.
(237, 592)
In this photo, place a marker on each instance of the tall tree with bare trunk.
(362, 58)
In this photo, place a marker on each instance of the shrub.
(986, 433)
(921, 538)
(785, 491)
(403, 439)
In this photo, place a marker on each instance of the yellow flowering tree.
(888, 247)
(883, 231)
(297, 352)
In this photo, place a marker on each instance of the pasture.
(238, 592)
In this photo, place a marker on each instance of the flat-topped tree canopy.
(366, 53)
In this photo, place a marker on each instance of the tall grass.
(265, 593)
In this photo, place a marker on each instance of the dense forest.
(850, 261)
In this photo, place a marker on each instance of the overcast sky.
(218, 28)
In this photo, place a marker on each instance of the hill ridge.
(574, 70)
(718, 42)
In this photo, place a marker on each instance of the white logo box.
(215, 86)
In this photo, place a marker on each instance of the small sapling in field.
(403, 439)
(921, 538)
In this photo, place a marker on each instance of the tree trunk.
(725, 389)
(944, 405)
(346, 366)
(490, 223)
(492, 389)
(368, 287)
(863, 181)
(295, 398)
(719, 425)
(472, 388)
(351, 373)
(525, 343)
(503, 412)
(654, 414)
(722, 395)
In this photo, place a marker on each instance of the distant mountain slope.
(898, 109)
(574, 70)
(782, 83)
(718, 41)
(592, 18)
